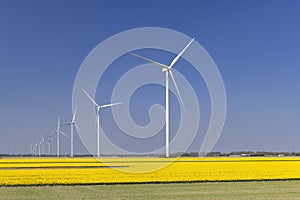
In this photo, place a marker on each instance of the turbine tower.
(48, 142)
(72, 124)
(43, 145)
(98, 107)
(39, 146)
(168, 70)
(32, 149)
(58, 132)
(36, 146)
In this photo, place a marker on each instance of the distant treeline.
(250, 153)
(189, 154)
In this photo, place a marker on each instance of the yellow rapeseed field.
(51, 171)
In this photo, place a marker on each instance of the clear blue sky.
(255, 44)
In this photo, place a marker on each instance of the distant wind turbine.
(39, 146)
(36, 146)
(58, 132)
(43, 145)
(48, 142)
(98, 107)
(32, 149)
(168, 70)
(72, 124)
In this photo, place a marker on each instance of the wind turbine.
(43, 145)
(32, 149)
(98, 107)
(168, 70)
(58, 132)
(72, 124)
(39, 146)
(35, 149)
(48, 142)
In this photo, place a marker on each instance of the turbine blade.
(74, 115)
(92, 100)
(112, 104)
(95, 123)
(179, 95)
(64, 134)
(151, 61)
(54, 131)
(77, 127)
(65, 124)
(58, 123)
(180, 54)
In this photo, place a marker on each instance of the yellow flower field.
(51, 171)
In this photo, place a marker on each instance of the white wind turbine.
(72, 124)
(58, 132)
(32, 149)
(39, 146)
(42, 142)
(36, 146)
(48, 142)
(98, 107)
(168, 70)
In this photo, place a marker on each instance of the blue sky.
(255, 45)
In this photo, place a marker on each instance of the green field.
(217, 190)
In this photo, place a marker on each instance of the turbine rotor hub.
(165, 69)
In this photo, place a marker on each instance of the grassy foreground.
(217, 190)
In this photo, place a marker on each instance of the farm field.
(262, 190)
(88, 171)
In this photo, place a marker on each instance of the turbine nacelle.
(165, 69)
(49, 139)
